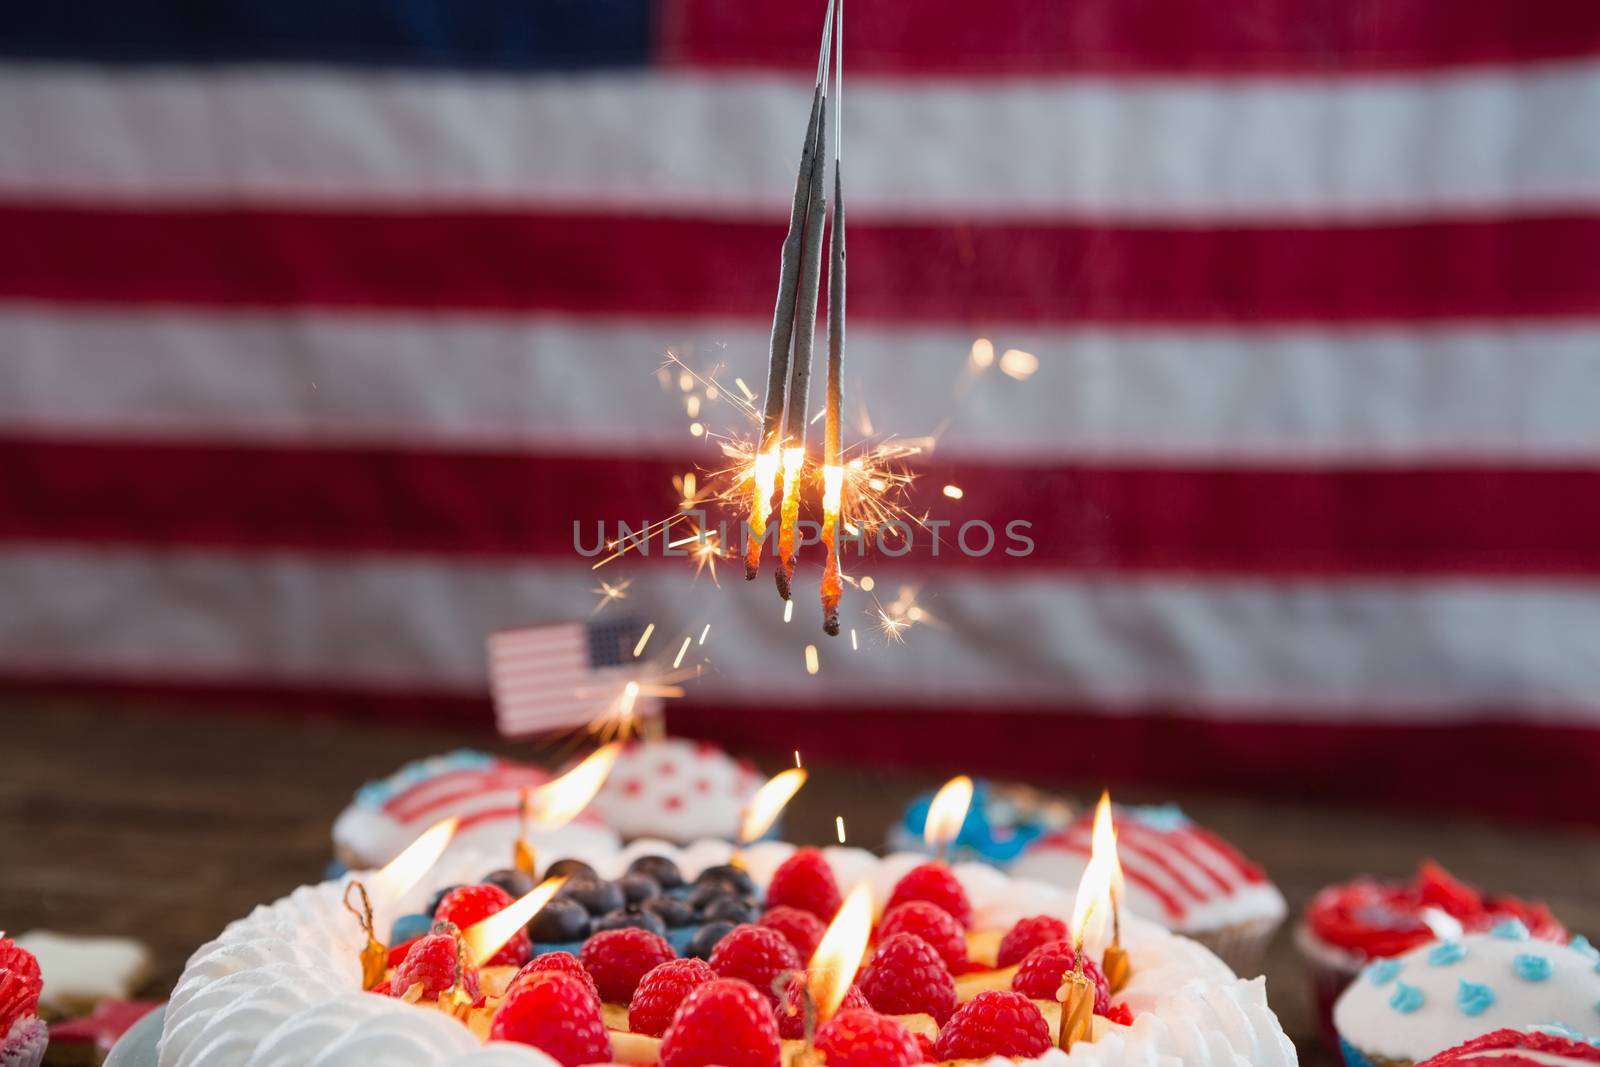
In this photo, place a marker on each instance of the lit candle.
(765, 807)
(374, 956)
(483, 939)
(946, 815)
(397, 878)
(1114, 963)
(556, 803)
(835, 962)
(1092, 902)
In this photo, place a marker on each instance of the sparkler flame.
(947, 813)
(789, 517)
(401, 874)
(839, 953)
(763, 480)
(484, 939)
(832, 581)
(768, 803)
(556, 803)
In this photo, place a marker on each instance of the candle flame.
(1093, 902)
(484, 939)
(768, 803)
(556, 803)
(402, 873)
(947, 812)
(838, 956)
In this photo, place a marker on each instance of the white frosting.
(675, 789)
(1569, 996)
(278, 988)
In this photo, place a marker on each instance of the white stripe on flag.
(1432, 650)
(1177, 147)
(1515, 393)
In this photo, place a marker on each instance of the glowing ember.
(812, 664)
(402, 873)
(644, 639)
(768, 803)
(789, 517)
(838, 956)
(832, 585)
(954, 492)
(610, 593)
(556, 803)
(838, 825)
(677, 661)
(1016, 363)
(947, 812)
(485, 938)
(982, 353)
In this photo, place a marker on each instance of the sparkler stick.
(783, 317)
(805, 338)
(832, 469)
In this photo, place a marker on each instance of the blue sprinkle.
(1382, 972)
(1531, 968)
(1510, 930)
(1406, 999)
(1582, 947)
(1447, 952)
(1166, 818)
(1473, 998)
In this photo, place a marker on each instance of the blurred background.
(321, 327)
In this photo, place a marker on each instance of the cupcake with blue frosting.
(1002, 822)
(1405, 1009)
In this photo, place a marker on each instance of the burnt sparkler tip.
(830, 623)
(751, 572)
(783, 582)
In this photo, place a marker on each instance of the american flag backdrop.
(320, 324)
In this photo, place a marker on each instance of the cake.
(676, 790)
(1178, 874)
(483, 790)
(1403, 1009)
(1347, 926)
(23, 1035)
(1535, 1047)
(281, 987)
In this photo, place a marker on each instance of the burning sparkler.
(832, 468)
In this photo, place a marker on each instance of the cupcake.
(23, 1035)
(1002, 822)
(1403, 1009)
(676, 790)
(1540, 1046)
(1179, 874)
(1347, 926)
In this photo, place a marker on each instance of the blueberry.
(706, 938)
(730, 875)
(663, 870)
(571, 869)
(438, 898)
(638, 888)
(729, 909)
(559, 922)
(597, 896)
(409, 926)
(625, 918)
(512, 881)
(674, 912)
(703, 896)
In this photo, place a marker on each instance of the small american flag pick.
(565, 675)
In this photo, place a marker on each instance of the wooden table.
(165, 825)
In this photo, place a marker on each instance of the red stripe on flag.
(1489, 521)
(1014, 37)
(1372, 755)
(949, 271)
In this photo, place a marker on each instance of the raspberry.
(471, 904)
(1041, 973)
(925, 1044)
(557, 962)
(19, 984)
(758, 954)
(1120, 1013)
(805, 881)
(934, 883)
(724, 1022)
(791, 1010)
(20, 962)
(556, 1014)
(995, 1023)
(661, 991)
(1028, 935)
(867, 1039)
(434, 961)
(934, 925)
(803, 929)
(906, 976)
(619, 958)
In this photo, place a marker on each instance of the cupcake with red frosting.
(23, 1035)
(1348, 926)
(1543, 1046)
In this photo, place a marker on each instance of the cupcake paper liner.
(1242, 946)
(24, 1044)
